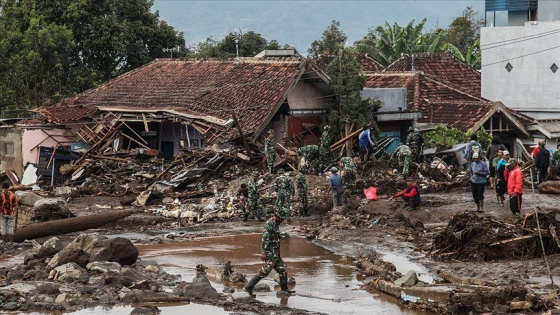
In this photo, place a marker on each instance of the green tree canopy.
(249, 45)
(346, 104)
(53, 49)
(464, 31)
(332, 40)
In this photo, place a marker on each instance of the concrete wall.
(306, 96)
(549, 10)
(175, 132)
(531, 85)
(393, 100)
(35, 138)
(11, 137)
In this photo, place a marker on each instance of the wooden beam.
(247, 148)
(135, 133)
(341, 141)
(145, 122)
(136, 141)
(524, 237)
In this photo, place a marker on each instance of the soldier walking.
(253, 197)
(270, 245)
(412, 142)
(348, 170)
(284, 192)
(270, 151)
(301, 185)
(404, 155)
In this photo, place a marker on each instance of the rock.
(198, 291)
(62, 191)
(262, 287)
(152, 268)
(50, 247)
(50, 204)
(27, 198)
(104, 266)
(70, 272)
(117, 249)
(409, 279)
(48, 288)
(61, 298)
(129, 276)
(520, 305)
(145, 310)
(11, 306)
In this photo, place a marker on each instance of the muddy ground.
(395, 230)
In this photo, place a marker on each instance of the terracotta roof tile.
(64, 113)
(206, 87)
(460, 115)
(443, 67)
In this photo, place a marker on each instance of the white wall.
(549, 10)
(531, 50)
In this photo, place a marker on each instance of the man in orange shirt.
(9, 204)
(514, 178)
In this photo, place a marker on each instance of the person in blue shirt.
(336, 187)
(366, 143)
(479, 171)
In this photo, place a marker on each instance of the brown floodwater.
(325, 282)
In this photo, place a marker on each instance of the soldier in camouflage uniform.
(325, 154)
(404, 154)
(270, 151)
(349, 168)
(311, 155)
(253, 198)
(271, 258)
(412, 142)
(284, 192)
(301, 185)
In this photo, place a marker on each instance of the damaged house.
(167, 105)
(426, 90)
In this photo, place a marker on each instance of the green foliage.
(249, 45)
(464, 31)
(443, 137)
(54, 49)
(484, 138)
(346, 104)
(332, 40)
(392, 41)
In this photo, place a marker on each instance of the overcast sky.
(299, 23)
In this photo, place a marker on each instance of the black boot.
(251, 284)
(284, 285)
(245, 216)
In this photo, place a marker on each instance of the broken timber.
(63, 226)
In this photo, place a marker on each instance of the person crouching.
(411, 195)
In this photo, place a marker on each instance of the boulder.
(50, 205)
(198, 291)
(104, 266)
(117, 249)
(69, 272)
(410, 279)
(50, 247)
(27, 198)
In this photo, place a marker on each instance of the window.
(9, 148)
(509, 67)
(554, 68)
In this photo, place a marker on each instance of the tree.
(346, 104)
(443, 137)
(392, 41)
(249, 45)
(472, 57)
(53, 49)
(332, 40)
(464, 31)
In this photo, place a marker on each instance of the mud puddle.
(324, 281)
(125, 310)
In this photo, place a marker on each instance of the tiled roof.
(460, 115)
(443, 67)
(207, 87)
(366, 64)
(64, 113)
(421, 90)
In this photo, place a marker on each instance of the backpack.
(475, 148)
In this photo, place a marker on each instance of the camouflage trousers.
(302, 199)
(405, 161)
(270, 159)
(253, 209)
(283, 202)
(276, 263)
(349, 177)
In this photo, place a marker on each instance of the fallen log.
(63, 226)
(549, 187)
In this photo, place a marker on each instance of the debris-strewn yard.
(479, 262)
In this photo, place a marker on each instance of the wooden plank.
(341, 141)
(145, 122)
(136, 141)
(135, 133)
(520, 238)
(247, 148)
(110, 158)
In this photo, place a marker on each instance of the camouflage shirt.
(403, 150)
(269, 145)
(412, 140)
(301, 184)
(348, 164)
(283, 185)
(309, 151)
(253, 191)
(325, 141)
(271, 239)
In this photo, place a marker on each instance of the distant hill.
(299, 23)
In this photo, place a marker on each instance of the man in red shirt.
(514, 178)
(411, 195)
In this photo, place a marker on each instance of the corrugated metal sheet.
(511, 5)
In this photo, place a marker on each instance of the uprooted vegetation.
(469, 237)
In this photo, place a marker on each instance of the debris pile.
(469, 237)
